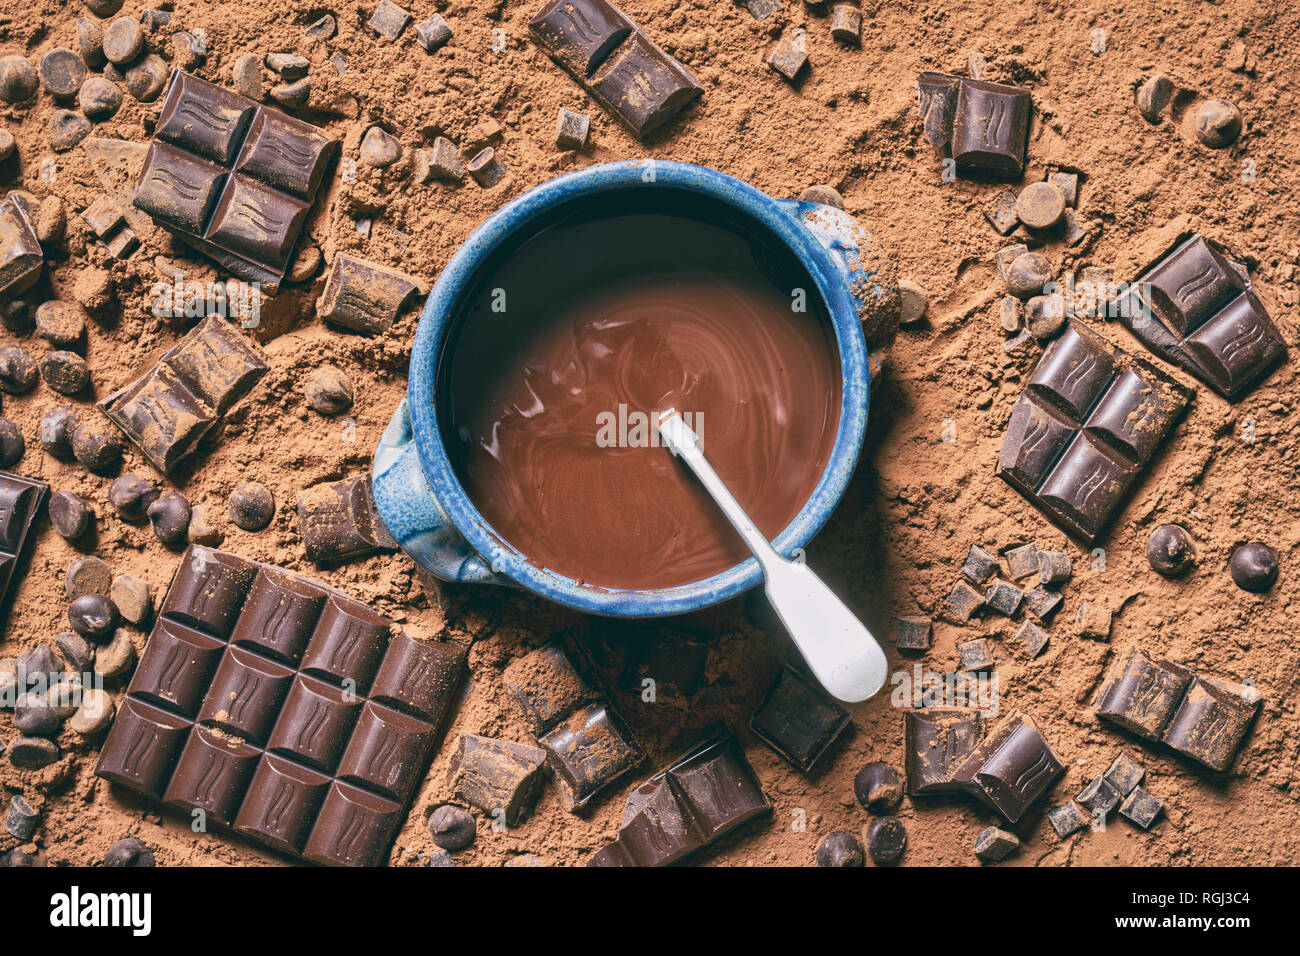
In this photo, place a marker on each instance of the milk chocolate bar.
(232, 178)
(282, 709)
(20, 501)
(174, 404)
(1196, 309)
(799, 720)
(1200, 717)
(1085, 427)
(705, 796)
(622, 68)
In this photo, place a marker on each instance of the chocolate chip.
(993, 844)
(329, 391)
(22, 821)
(289, 66)
(840, 848)
(123, 41)
(93, 616)
(18, 371)
(452, 827)
(12, 445)
(572, 130)
(99, 99)
(129, 852)
(62, 72)
(153, 19)
(1218, 123)
(913, 303)
(878, 788)
(7, 145)
(17, 79)
(20, 857)
(34, 716)
(67, 128)
(53, 432)
(1040, 205)
(87, 575)
(293, 95)
(380, 148)
(322, 29)
(1153, 96)
(886, 840)
(65, 372)
(1253, 567)
(170, 517)
(90, 42)
(485, 169)
(251, 505)
(914, 633)
(130, 495)
(116, 657)
(32, 753)
(823, 195)
(76, 653)
(1027, 274)
(206, 526)
(389, 20)
(975, 655)
(95, 447)
(146, 78)
(432, 33)
(70, 514)
(1170, 550)
(247, 75)
(132, 597)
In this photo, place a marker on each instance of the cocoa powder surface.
(895, 544)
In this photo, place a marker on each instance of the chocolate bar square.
(935, 742)
(1196, 309)
(234, 179)
(338, 521)
(220, 716)
(990, 127)
(799, 720)
(1141, 695)
(1011, 768)
(21, 257)
(1087, 423)
(20, 501)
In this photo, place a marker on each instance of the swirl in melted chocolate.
(568, 346)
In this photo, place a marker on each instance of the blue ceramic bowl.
(417, 493)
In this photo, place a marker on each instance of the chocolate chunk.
(233, 179)
(572, 130)
(1002, 214)
(282, 709)
(379, 148)
(485, 169)
(452, 827)
(21, 820)
(18, 370)
(674, 660)
(499, 777)
(936, 741)
(169, 517)
(108, 223)
(322, 29)
(1170, 550)
(614, 60)
(547, 687)
(388, 20)
(936, 95)
(433, 33)
(1086, 425)
(1067, 183)
(1124, 774)
(914, 633)
(173, 404)
(702, 798)
(975, 655)
(993, 844)
(251, 505)
(329, 391)
(1253, 567)
(1093, 621)
(288, 66)
(1040, 205)
(886, 840)
(441, 162)
(1218, 123)
(364, 297)
(70, 514)
(790, 56)
(338, 521)
(1153, 96)
(1194, 309)
(1099, 797)
(1011, 768)
(1042, 603)
(588, 751)
(1140, 808)
(1003, 597)
(1033, 637)
(799, 720)
(62, 324)
(846, 23)
(1211, 721)
(839, 849)
(20, 501)
(12, 444)
(131, 496)
(1141, 695)
(129, 852)
(133, 598)
(1067, 819)
(878, 788)
(293, 95)
(990, 127)
(962, 602)
(21, 256)
(1053, 567)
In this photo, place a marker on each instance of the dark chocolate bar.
(1084, 428)
(20, 501)
(172, 405)
(282, 709)
(1200, 717)
(233, 178)
(1196, 309)
(586, 743)
(1011, 768)
(708, 794)
(799, 720)
(622, 68)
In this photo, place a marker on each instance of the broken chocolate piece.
(936, 100)
(1022, 561)
(1011, 769)
(1042, 603)
(1099, 796)
(990, 127)
(935, 742)
(1003, 597)
(799, 720)
(364, 297)
(498, 776)
(20, 501)
(1141, 808)
(338, 521)
(980, 565)
(1067, 819)
(1124, 774)
(962, 602)
(1033, 637)
(21, 258)
(914, 633)
(975, 655)
(674, 660)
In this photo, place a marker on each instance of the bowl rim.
(436, 322)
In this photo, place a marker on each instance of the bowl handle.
(413, 514)
(861, 261)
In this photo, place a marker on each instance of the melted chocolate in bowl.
(569, 343)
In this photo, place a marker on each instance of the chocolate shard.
(338, 521)
(364, 297)
(1011, 768)
(232, 178)
(173, 404)
(1085, 427)
(283, 709)
(498, 776)
(936, 741)
(705, 796)
(615, 61)
(20, 502)
(990, 127)
(21, 258)
(799, 720)
(936, 101)
(1196, 309)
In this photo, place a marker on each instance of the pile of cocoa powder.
(925, 488)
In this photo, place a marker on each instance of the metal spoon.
(839, 649)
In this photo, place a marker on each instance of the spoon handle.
(840, 651)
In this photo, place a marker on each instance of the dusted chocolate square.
(338, 521)
(799, 720)
(1141, 695)
(21, 256)
(1011, 768)
(990, 127)
(935, 741)
(588, 751)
